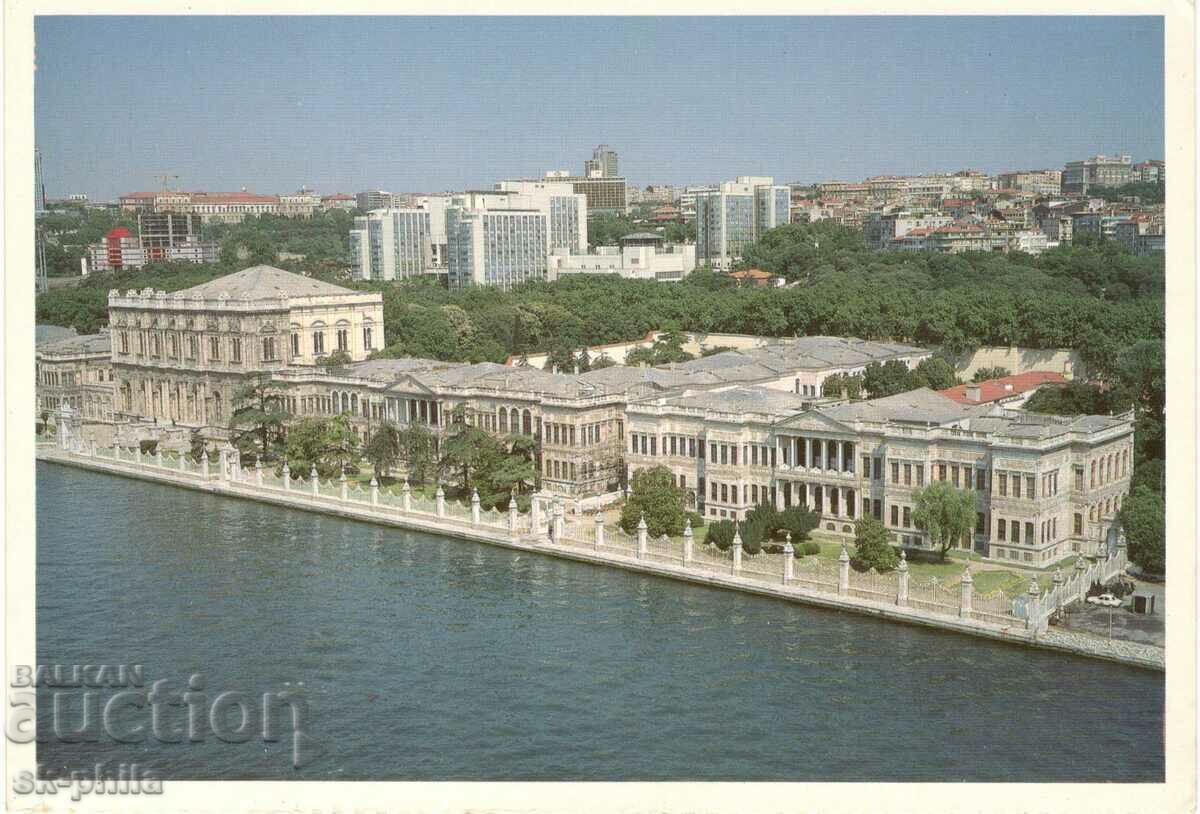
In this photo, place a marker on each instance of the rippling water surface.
(425, 658)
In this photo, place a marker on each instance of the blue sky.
(430, 104)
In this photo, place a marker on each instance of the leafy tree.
(720, 534)
(934, 373)
(561, 358)
(416, 450)
(467, 451)
(259, 420)
(328, 443)
(601, 361)
(945, 513)
(384, 448)
(1072, 398)
(871, 547)
(984, 374)
(654, 494)
(1143, 518)
(886, 379)
(336, 359)
(799, 521)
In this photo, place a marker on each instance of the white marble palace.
(736, 428)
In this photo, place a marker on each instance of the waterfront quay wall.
(545, 530)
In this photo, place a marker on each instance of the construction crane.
(162, 179)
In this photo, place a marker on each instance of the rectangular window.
(692, 447)
(295, 344)
(954, 475)
(907, 517)
(1016, 533)
(733, 494)
(1016, 486)
(941, 472)
(343, 339)
(1003, 485)
(979, 480)
(268, 348)
(895, 472)
(712, 451)
(214, 348)
(367, 338)
(714, 491)
(1029, 490)
(877, 470)
(1000, 530)
(754, 456)
(318, 342)
(724, 493)
(920, 474)
(653, 445)
(1079, 517)
(895, 515)
(733, 454)
(1028, 531)
(1079, 478)
(866, 461)
(908, 474)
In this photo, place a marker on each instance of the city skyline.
(271, 104)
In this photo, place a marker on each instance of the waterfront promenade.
(547, 531)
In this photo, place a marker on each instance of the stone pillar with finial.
(902, 581)
(137, 453)
(204, 464)
(1033, 609)
(789, 559)
(642, 536)
(513, 516)
(440, 501)
(736, 548)
(158, 456)
(1058, 581)
(223, 463)
(965, 593)
(475, 507)
(844, 572)
(344, 483)
(1081, 569)
(316, 481)
(258, 472)
(688, 540)
(374, 491)
(406, 496)
(287, 477)
(559, 522)
(598, 539)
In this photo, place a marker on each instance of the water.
(425, 658)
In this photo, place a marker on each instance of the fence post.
(1122, 554)
(374, 491)
(966, 589)
(158, 458)
(1080, 570)
(345, 493)
(844, 572)
(287, 477)
(687, 542)
(559, 522)
(224, 464)
(513, 516)
(406, 493)
(902, 581)
(204, 464)
(737, 550)
(441, 501)
(789, 559)
(258, 472)
(641, 536)
(316, 481)
(182, 462)
(1033, 609)
(475, 507)
(599, 539)
(1059, 593)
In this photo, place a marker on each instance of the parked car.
(1108, 600)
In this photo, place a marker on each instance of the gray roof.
(388, 370)
(920, 406)
(786, 355)
(264, 283)
(88, 343)
(50, 333)
(742, 400)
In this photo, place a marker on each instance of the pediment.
(813, 421)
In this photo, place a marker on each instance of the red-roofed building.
(1011, 391)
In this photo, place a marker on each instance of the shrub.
(695, 518)
(654, 495)
(871, 547)
(808, 548)
(799, 521)
(720, 534)
(148, 447)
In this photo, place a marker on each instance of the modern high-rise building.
(1098, 171)
(489, 243)
(602, 164)
(566, 208)
(735, 214)
(394, 244)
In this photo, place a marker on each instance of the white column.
(599, 537)
(258, 472)
(641, 536)
(204, 464)
(843, 572)
(513, 516)
(475, 506)
(559, 521)
(902, 581)
(406, 494)
(789, 559)
(440, 498)
(374, 491)
(737, 550)
(316, 481)
(965, 590)
(687, 541)
(1033, 608)
(345, 495)
(287, 477)
(224, 464)
(158, 458)
(137, 451)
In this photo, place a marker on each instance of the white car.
(1108, 600)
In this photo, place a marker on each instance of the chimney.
(974, 393)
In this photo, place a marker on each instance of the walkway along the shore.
(545, 530)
